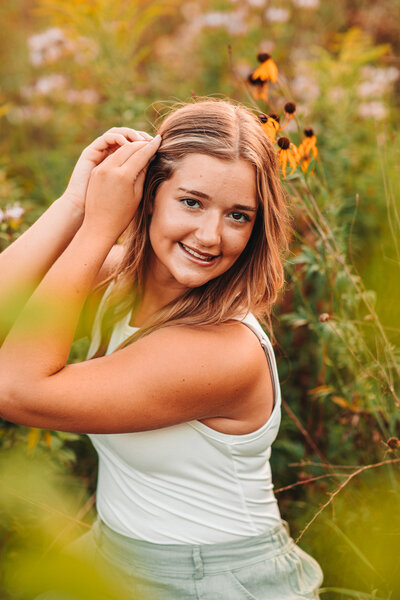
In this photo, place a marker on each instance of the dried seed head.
(284, 143)
(324, 317)
(263, 56)
(290, 108)
(393, 443)
(308, 132)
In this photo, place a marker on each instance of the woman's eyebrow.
(195, 193)
(243, 207)
(203, 195)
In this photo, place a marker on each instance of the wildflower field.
(324, 79)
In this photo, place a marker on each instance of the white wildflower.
(233, 21)
(375, 110)
(377, 81)
(48, 46)
(306, 3)
(44, 86)
(47, 84)
(277, 15)
(14, 212)
(257, 3)
(384, 75)
(81, 96)
(215, 19)
(19, 114)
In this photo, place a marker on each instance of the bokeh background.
(71, 69)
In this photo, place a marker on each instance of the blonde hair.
(227, 131)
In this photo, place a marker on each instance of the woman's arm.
(39, 343)
(24, 263)
(27, 260)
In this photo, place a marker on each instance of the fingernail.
(157, 138)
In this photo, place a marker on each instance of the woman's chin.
(192, 280)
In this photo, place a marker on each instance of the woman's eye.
(191, 203)
(240, 217)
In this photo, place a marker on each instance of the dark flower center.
(308, 132)
(263, 56)
(290, 108)
(256, 81)
(275, 117)
(262, 117)
(284, 143)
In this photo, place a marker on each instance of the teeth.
(197, 255)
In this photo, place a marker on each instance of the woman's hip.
(267, 566)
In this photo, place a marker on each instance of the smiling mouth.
(207, 258)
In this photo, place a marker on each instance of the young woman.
(181, 396)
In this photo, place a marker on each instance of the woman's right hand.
(93, 155)
(116, 186)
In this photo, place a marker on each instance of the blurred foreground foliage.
(90, 65)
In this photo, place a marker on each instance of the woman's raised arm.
(27, 260)
(24, 264)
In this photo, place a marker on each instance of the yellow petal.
(47, 438)
(33, 438)
(267, 71)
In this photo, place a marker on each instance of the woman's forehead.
(215, 178)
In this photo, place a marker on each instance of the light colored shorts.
(264, 567)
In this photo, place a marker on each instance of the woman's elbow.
(14, 404)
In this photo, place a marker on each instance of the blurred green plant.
(83, 71)
(43, 508)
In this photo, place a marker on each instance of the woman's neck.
(156, 295)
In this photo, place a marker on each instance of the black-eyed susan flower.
(290, 109)
(307, 149)
(287, 154)
(270, 124)
(267, 71)
(259, 88)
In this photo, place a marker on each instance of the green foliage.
(337, 324)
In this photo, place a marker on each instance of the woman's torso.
(188, 483)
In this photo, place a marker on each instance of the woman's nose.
(208, 232)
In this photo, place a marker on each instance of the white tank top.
(187, 483)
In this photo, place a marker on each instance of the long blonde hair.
(227, 131)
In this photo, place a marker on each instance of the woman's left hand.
(116, 186)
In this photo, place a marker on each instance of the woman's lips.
(199, 257)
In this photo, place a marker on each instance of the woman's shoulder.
(225, 360)
(229, 344)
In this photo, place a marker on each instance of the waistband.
(191, 559)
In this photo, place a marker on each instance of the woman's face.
(202, 219)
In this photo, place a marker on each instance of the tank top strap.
(251, 322)
(95, 338)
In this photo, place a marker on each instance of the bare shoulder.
(229, 355)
